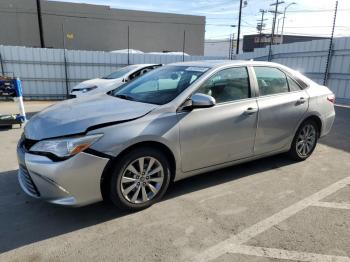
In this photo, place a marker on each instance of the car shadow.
(339, 136)
(24, 220)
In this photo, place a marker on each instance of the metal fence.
(310, 58)
(49, 73)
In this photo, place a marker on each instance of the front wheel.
(140, 179)
(304, 141)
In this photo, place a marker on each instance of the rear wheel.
(140, 179)
(305, 140)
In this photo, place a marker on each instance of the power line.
(291, 11)
(291, 27)
(318, 10)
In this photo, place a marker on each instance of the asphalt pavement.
(272, 209)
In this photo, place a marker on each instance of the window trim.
(152, 67)
(295, 81)
(252, 93)
(300, 82)
(139, 71)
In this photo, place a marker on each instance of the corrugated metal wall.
(310, 59)
(43, 70)
(43, 74)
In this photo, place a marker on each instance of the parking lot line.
(250, 232)
(332, 205)
(285, 254)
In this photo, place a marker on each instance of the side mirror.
(125, 80)
(202, 101)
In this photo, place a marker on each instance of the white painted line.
(250, 232)
(285, 254)
(340, 105)
(332, 205)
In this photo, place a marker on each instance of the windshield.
(120, 72)
(161, 85)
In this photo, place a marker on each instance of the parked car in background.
(111, 81)
(177, 121)
(168, 53)
(127, 51)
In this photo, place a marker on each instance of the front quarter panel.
(159, 127)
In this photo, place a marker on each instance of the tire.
(128, 180)
(304, 142)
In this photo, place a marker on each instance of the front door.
(222, 133)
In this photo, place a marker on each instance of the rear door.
(282, 103)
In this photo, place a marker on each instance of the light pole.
(278, 24)
(284, 17)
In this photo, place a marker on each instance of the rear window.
(298, 77)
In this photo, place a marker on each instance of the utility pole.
(325, 80)
(239, 25)
(260, 26)
(275, 12)
(40, 22)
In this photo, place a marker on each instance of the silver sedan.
(177, 121)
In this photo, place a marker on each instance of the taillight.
(331, 98)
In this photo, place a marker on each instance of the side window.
(271, 80)
(134, 75)
(227, 85)
(293, 86)
(145, 70)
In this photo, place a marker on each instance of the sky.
(306, 17)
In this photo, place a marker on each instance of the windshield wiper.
(126, 97)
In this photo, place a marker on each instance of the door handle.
(301, 100)
(250, 110)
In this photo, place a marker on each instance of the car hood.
(99, 82)
(77, 115)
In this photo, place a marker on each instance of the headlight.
(65, 147)
(88, 89)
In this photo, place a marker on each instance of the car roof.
(219, 63)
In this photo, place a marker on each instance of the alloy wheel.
(142, 179)
(306, 140)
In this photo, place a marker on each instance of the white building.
(220, 47)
